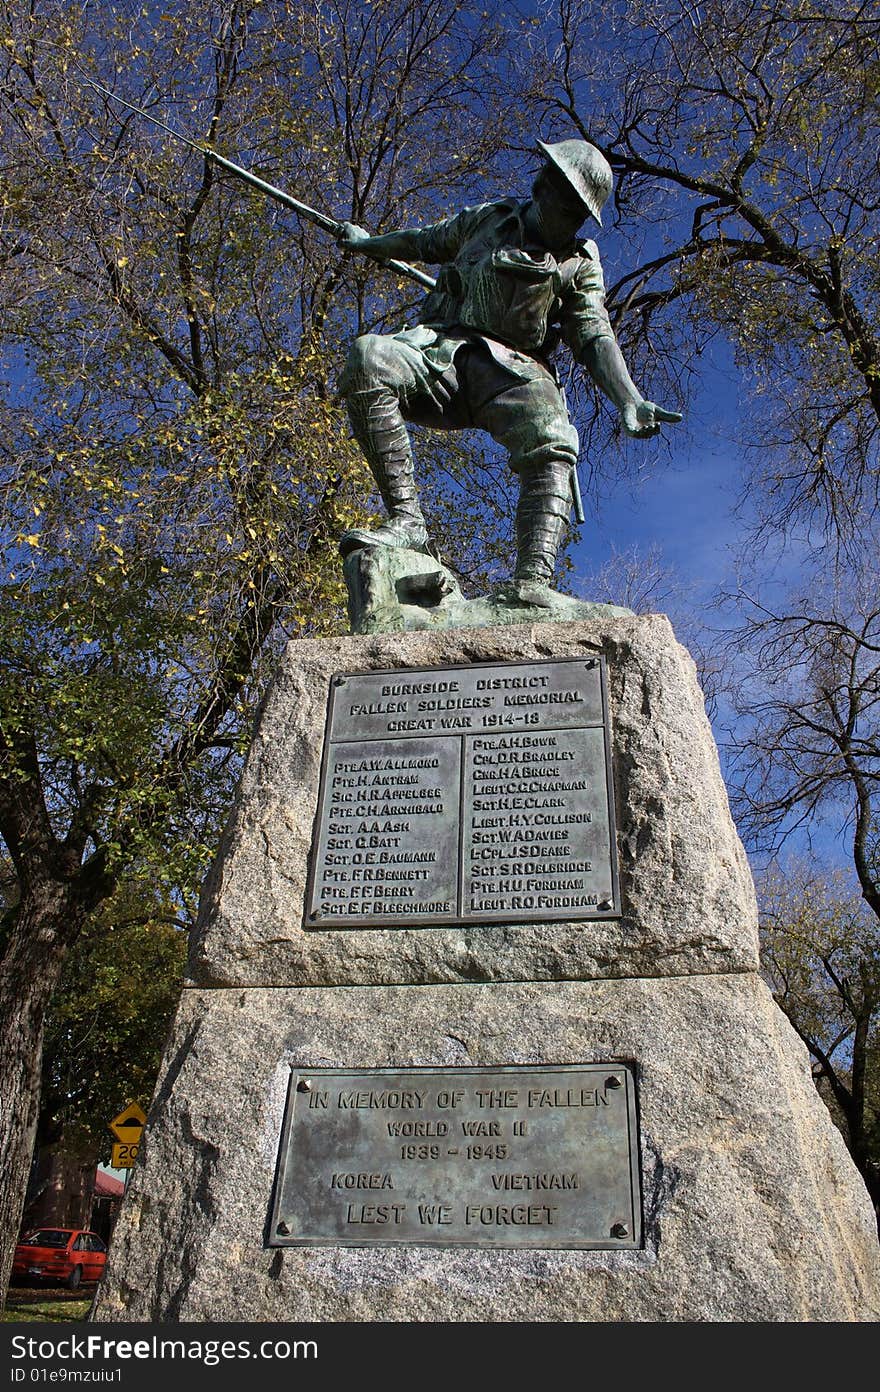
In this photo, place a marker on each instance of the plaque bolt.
(606, 904)
(620, 1230)
(316, 913)
(283, 1230)
(612, 1082)
(590, 664)
(339, 681)
(303, 1085)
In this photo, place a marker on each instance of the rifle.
(329, 224)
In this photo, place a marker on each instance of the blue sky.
(683, 506)
(685, 489)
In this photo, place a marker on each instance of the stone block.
(688, 903)
(753, 1210)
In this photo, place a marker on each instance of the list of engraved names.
(507, 1157)
(470, 793)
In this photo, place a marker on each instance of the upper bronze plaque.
(465, 794)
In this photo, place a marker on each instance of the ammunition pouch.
(510, 294)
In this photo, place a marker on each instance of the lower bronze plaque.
(503, 1157)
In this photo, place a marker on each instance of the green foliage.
(820, 951)
(109, 1017)
(173, 473)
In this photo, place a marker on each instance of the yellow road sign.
(123, 1155)
(127, 1127)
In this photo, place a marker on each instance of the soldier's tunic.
(479, 355)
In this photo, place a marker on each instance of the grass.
(50, 1307)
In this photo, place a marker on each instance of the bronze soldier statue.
(514, 279)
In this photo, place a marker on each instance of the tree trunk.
(62, 1185)
(45, 923)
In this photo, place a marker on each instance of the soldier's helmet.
(585, 168)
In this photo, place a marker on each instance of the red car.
(60, 1255)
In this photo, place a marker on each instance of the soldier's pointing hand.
(643, 418)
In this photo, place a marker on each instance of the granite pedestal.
(751, 1207)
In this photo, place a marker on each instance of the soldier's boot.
(380, 430)
(541, 516)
